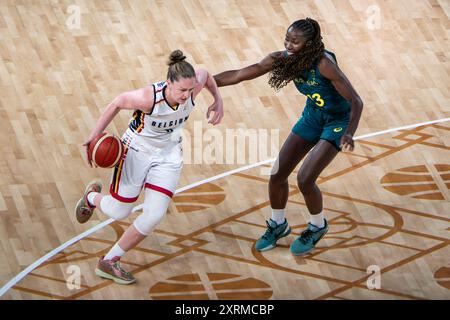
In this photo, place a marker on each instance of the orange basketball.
(105, 150)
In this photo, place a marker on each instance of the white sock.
(116, 251)
(278, 215)
(91, 197)
(317, 220)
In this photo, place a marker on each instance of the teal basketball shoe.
(308, 239)
(273, 233)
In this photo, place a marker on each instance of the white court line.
(55, 251)
(369, 135)
(219, 176)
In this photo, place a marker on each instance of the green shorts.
(315, 124)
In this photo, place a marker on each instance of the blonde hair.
(178, 68)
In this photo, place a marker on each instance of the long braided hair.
(286, 69)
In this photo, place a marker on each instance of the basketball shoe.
(111, 269)
(273, 233)
(84, 209)
(308, 239)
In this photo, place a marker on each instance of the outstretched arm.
(231, 77)
(205, 80)
(332, 72)
(141, 99)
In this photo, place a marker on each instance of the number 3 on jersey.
(317, 99)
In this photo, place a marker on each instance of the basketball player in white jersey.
(152, 156)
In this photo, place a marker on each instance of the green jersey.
(321, 92)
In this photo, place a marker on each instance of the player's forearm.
(355, 115)
(211, 86)
(108, 114)
(227, 78)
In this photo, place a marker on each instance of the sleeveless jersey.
(321, 92)
(164, 123)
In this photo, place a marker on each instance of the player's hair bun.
(175, 57)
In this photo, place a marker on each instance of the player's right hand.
(88, 156)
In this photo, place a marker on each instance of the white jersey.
(162, 126)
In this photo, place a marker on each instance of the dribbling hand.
(347, 142)
(88, 156)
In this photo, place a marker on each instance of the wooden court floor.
(388, 202)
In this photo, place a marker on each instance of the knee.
(148, 220)
(115, 209)
(122, 210)
(305, 183)
(277, 179)
(155, 207)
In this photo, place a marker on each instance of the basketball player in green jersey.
(328, 123)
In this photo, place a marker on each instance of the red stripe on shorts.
(159, 189)
(116, 196)
(118, 171)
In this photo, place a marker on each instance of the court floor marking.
(103, 224)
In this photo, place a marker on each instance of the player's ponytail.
(178, 67)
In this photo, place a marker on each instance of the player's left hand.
(347, 142)
(217, 108)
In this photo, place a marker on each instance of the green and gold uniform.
(326, 114)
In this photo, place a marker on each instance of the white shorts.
(145, 166)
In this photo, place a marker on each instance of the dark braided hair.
(286, 69)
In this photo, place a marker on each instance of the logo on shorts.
(337, 129)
